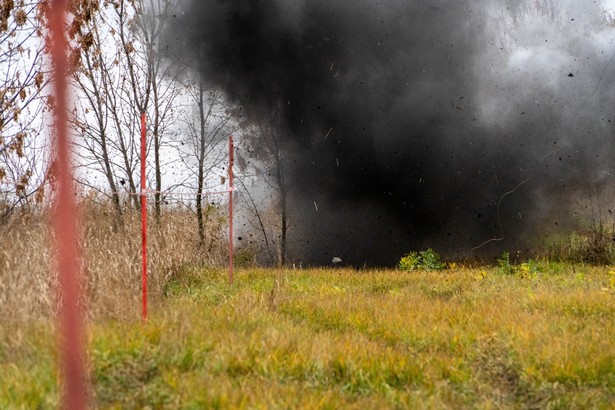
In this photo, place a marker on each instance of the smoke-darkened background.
(410, 124)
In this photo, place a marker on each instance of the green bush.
(410, 261)
(504, 265)
(424, 260)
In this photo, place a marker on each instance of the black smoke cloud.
(410, 124)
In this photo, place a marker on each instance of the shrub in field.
(611, 279)
(409, 262)
(504, 265)
(245, 257)
(423, 260)
(530, 269)
(527, 270)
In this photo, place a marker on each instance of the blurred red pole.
(72, 351)
(143, 220)
(230, 208)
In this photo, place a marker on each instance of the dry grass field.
(331, 339)
(111, 260)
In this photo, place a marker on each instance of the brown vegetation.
(112, 259)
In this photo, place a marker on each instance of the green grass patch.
(328, 339)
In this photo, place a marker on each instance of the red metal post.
(72, 339)
(143, 220)
(230, 208)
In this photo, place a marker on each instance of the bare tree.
(258, 217)
(208, 120)
(96, 113)
(22, 80)
(268, 151)
(120, 74)
(158, 73)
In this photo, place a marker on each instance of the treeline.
(122, 65)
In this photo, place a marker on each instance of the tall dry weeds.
(111, 252)
(26, 278)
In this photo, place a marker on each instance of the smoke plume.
(414, 124)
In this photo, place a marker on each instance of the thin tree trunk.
(202, 146)
(260, 221)
(156, 136)
(281, 184)
(125, 153)
(284, 230)
(201, 166)
(115, 197)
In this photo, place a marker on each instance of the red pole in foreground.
(72, 351)
(143, 220)
(230, 208)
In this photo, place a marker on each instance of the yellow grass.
(463, 338)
